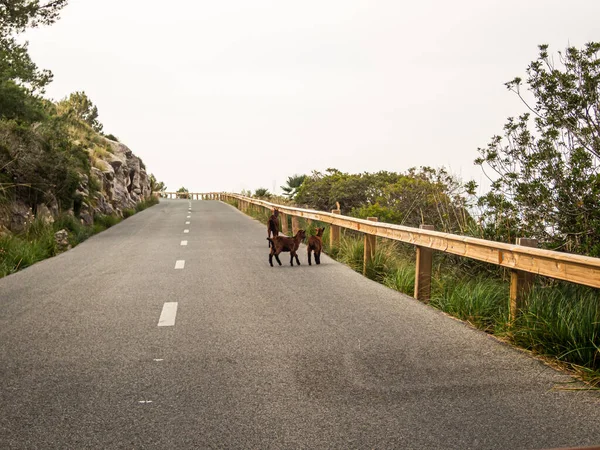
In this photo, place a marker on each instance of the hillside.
(61, 165)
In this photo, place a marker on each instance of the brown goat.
(315, 244)
(273, 225)
(286, 244)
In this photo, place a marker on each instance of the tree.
(545, 181)
(81, 107)
(262, 193)
(184, 192)
(423, 195)
(15, 17)
(157, 186)
(20, 78)
(293, 184)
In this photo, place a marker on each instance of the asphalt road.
(258, 357)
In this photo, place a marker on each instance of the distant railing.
(521, 258)
(188, 195)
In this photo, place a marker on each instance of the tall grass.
(481, 301)
(562, 321)
(37, 243)
(19, 252)
(402, 278)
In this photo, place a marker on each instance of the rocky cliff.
(124, 182)
(117, 181)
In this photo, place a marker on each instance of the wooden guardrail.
(521, 258)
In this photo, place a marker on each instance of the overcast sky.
(238, 94)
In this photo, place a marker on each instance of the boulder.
(102, 206)
(86, 215)
(21, 217)
(4, 231)
(44, 214)
(62, 240)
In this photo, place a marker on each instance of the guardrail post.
(334, 231)
(295, 225)
(423, 270)
(520, 282)
(284, 223)
(370, 242)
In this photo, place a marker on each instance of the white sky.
(238, 94)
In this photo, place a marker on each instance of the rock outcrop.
(123, 178)
(117, 181)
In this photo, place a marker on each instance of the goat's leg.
(292, 256)
(308, 252)
(277, 258)
(271, 259)
(318, 257)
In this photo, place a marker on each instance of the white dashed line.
(183, 242)
(186, 231)
(167, 317)
(179, 264)
(188, 217)
(187, 223)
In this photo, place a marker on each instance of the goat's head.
(301, 234)
(275, 212)
(320, 232)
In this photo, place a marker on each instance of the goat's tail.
(270, 242)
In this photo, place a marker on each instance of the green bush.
(106, 221)
(144, 204)
(128, 212)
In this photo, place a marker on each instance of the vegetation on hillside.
(18, 251)
(47, 150)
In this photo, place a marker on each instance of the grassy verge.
(561, 321)
(37, 243)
